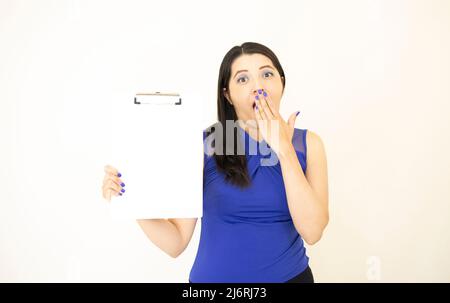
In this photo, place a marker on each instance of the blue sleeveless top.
(247, 235)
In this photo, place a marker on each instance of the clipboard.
(159, 153)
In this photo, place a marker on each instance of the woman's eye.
(240, 79)
(268, 73)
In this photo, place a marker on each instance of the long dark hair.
(232, 164)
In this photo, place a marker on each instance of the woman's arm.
(170, 235)
(307, 196)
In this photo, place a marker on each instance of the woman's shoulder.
(299, 139)
(313, 140)
(307, 137)
(314, 146)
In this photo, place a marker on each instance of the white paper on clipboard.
(159, 153)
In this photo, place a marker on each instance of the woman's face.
(250, 73)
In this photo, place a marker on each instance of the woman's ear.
(225, 93)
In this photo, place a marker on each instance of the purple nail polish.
(265, 94)
(122, 190)
(297, 113)
(122, 184)
(119, 175)
(257, 97)
(259, 91)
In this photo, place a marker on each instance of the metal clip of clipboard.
(157, 98)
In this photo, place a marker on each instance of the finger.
(109, 192)
(292, 118)
(270, 104)
(265, 108)
(261, 121)
(258, 116)
(111, 184)
(114, 178)
(106, 193)
(112, 170)
(265, 104)
(114, 192)
(259, 108)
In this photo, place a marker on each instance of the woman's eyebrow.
(245, 70)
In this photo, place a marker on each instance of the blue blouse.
(247, 235)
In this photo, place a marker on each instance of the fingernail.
(256, 107)
(122, 190)
(259, 91)
(257, 97)
(297, 113)
(120, 194)
(122, 184)
(119, 175)
(265, 94)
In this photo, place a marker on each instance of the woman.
(257, 210)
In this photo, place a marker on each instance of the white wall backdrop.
(370, 77)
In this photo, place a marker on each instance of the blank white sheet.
(159, 152)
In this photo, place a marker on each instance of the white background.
(370, 77)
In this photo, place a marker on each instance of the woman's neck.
(251, 130)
